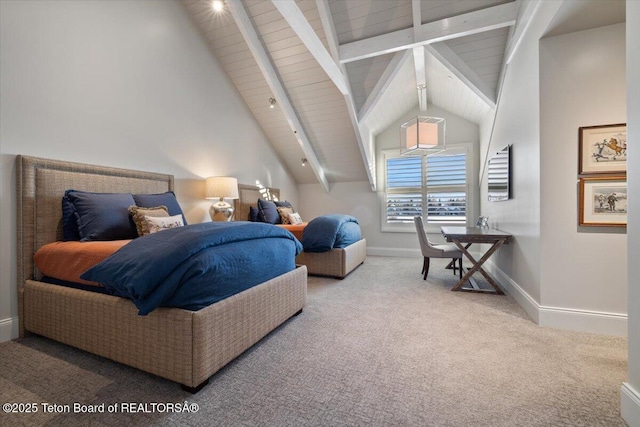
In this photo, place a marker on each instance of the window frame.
(409, 227)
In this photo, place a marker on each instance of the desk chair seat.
(430, 250)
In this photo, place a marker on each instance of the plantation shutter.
(403, 189)
(446, 188)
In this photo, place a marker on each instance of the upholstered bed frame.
(335, 263)
(183, 346)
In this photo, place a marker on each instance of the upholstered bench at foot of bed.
(336, 262)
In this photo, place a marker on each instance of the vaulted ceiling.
(341, 71)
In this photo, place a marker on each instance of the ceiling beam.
(457, 66)
(259, 53)
(491, 18)
(531, 7)
(363, 136)
(416, 13)
(297, 21)
(383, 83)
(421, 76)
(419, 57)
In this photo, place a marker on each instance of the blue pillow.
(254, 214)
(69, 221)
(167, 199)
(268, 212)
(102, 216)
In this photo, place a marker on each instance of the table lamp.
(221, 187)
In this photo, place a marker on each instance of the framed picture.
(603, 201)
(602, 149)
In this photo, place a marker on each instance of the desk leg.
(477, 266)
(450, 265)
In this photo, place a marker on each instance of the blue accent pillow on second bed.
(327, 232)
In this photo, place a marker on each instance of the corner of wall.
(8, 329)
(559, 317)
(630, 405)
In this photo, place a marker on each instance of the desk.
(470, 235)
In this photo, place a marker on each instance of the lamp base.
(221, 211)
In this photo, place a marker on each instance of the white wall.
(552, 87)
(582, 83)
(357, 199)
(517, 123)
(630, 393)
(128, 84)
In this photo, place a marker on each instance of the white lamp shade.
(221, 187)
(422, 135)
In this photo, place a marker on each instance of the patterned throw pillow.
(284, 214)
(294, 218)
(139, 215)
(163, 223)
(167, 199)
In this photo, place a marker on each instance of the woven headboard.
(249, 195)
(41, 183)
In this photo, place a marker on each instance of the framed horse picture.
(602, 149)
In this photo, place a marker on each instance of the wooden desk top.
(475, 234)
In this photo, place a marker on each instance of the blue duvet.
(330, 231)
(196, 265)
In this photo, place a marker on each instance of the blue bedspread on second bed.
(194, 266)
(327, 232)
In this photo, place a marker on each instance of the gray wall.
(631, 390)
(518, 123)
(552, 87)
(128, 84)
(582, 83)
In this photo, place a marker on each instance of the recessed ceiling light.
(272, 103)
(217, 5)
(304, 161)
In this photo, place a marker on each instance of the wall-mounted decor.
(498, 175)
(603, 201)
(603, 149)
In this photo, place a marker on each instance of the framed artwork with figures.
(603, 201)
(602, 149)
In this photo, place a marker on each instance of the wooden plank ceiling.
(341, 71)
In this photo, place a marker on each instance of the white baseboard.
(512, 288)
(394, 252)
(8, 329)
(560, 317)
(397, 252)
(630, 405)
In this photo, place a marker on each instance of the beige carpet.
(381, 347)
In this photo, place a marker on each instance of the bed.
(181, 345)
(337, 262)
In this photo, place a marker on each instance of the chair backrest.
(425, 246)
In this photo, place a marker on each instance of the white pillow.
(157, 223)
(294, 218)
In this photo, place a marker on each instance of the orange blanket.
(295, 229)
(68, 260)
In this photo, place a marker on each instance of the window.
(434, 187)
(403, 189)
(446, 188)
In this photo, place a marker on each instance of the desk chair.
(436, 251)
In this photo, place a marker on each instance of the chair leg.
(461, 268)
(426, 268)
(455, 268)
(424, 262)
